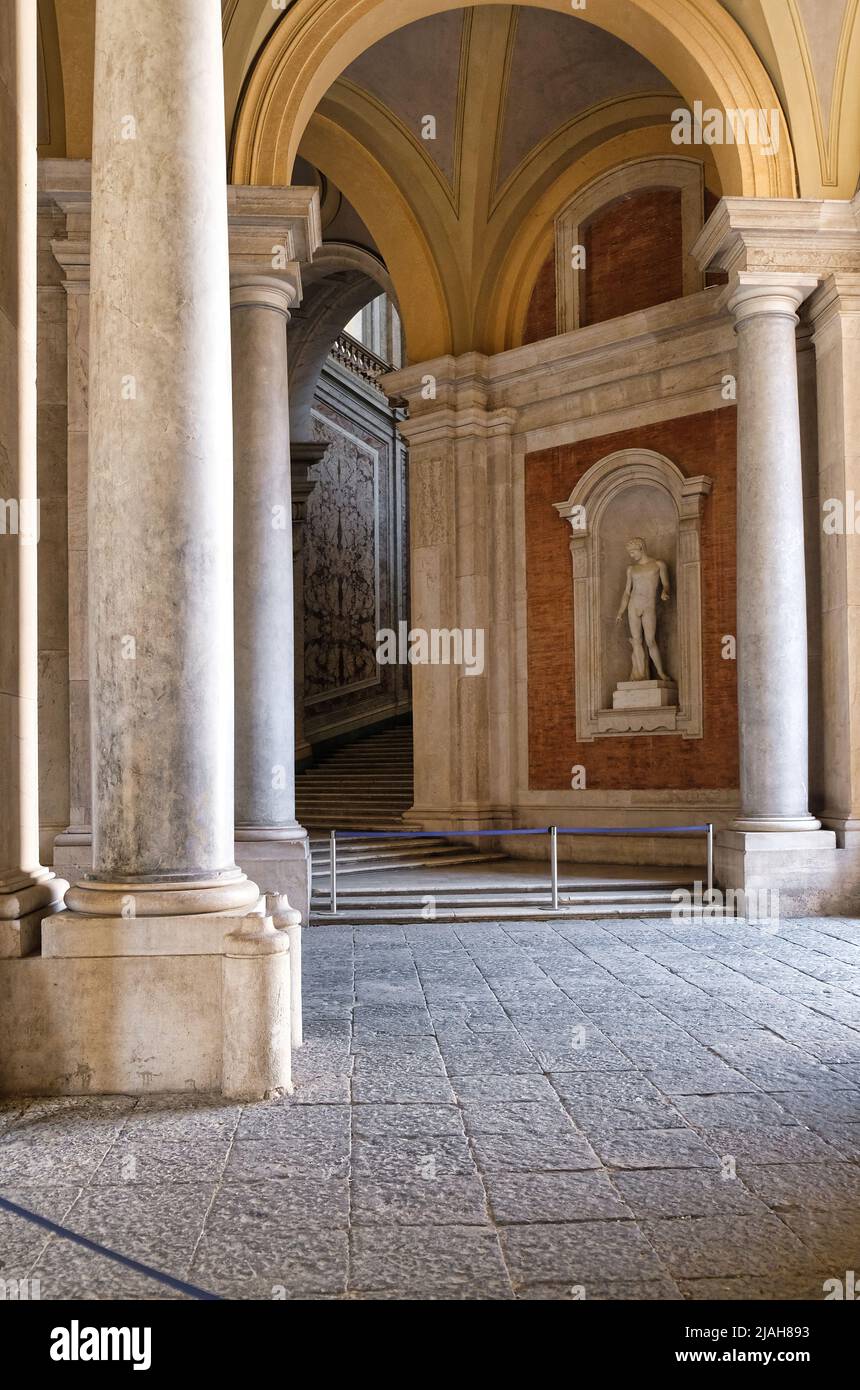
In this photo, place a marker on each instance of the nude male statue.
(644, 577)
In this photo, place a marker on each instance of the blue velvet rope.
(530, 830)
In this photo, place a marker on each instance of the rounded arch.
(695, 43)
(342, 279)
(516, 260)
(424, 275)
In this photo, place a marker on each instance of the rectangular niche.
(636, 494)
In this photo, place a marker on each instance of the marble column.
(160, 471)
(67, 184)
(269, 841)
(28, 892)
(771, 635)
(834, 312)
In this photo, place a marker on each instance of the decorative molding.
(781, 234)
(586, 510)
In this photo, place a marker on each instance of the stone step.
(368, 845)
(452, 860)
(387, 916)
(489, 897)
(332, 777)
(358, 852)
(349, 822)
(363, 798)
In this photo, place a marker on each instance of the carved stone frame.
(584, 510)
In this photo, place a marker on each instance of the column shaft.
(263, 557)
(160, 468)
(772, 642)
(27, 890)
(270, 844)
(835, 313)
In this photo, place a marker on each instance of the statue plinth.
(651, 694)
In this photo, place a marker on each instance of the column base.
(73, 852)
(153, 1004)
(769, 825)
(279, 860)
(230, 891)
(25, 901)
(789, 874)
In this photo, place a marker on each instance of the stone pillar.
(28, 892)
(835, 316)
(774, 845)
(772, 642)
(303, 456)
(67, 183)
(460, 517)
(269, 841)
(273, 232)
(160, 472)
(808, 402)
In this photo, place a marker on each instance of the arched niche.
(635, 492)
(684, 175)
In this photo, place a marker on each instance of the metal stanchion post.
(553, 851)
(333, 869)
(710, 862)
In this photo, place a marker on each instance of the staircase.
(513, 891)
(367, 785)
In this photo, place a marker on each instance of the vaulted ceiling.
(530, 103)
(537, 72)
(473, 124)
(810, 50)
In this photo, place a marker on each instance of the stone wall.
(633, 255)
(633, 260)
(355, 560)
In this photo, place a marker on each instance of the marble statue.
(644, 577)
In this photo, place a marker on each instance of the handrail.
(357, 358)
(553, 831)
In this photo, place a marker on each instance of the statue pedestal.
(641, 707)
(645, 695)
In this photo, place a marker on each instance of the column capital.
(774, 294)
(249, 291)
(64, 187)
(782, 235)
(273, 232)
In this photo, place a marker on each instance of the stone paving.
(614, 1110)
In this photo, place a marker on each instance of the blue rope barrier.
(179, 1284)
(500, 834)
(632, 829)
(528, 830)
(430, 834)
